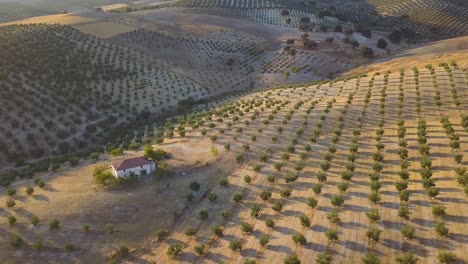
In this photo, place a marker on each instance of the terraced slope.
(17, 10)
(62, 89)
(429, 19)
(223, 61)
(345, 164)
(265, 12)
(424, 19)
(370, 134)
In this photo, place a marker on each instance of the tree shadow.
(279, 248)
(354, 246)
(41, 197)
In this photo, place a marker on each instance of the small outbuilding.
(136, 166)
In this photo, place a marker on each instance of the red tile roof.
(130, 163)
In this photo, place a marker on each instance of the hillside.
(23, 9)
(75, 90)
(234, 131)
(418, 20)
(338, 162)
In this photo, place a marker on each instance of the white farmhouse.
(138, 166)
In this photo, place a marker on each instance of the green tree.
(438, 210)
(332, 235)
(10, 203)
(333, 217)
(102, 176)
(217, 231)
(269, 223)
(367, 52)
(161, 234)
(312, 202)
(299, 239)
(123, 251)
(305, 221)
(265, 195)
(54, 224)
(246, 227)
(11, 192)
(34, 220)
(11, 220)
(202, 214)
(263, 240)
(255, 210)
(237, 197)
(117, 152)
(447, 257)
(174, 250)
(277, 206)
(235, 245)
(408, 232)
(29, 190)
(373, 215)
(407, 258)
(200, 249)
(337, 200)
(16, 241)
(324, 258)
(190, 231)
(370, 258)
(441, 229)
(292, 259)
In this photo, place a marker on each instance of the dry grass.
(113, 7)
(64, 19)
(435, 52)
(104, 29)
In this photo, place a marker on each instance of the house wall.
(149, 168)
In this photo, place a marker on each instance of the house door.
(142, 172)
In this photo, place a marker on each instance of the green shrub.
(246, 227)
(235, 245)
(202, 214)
(299, 239)
(116, 152)
(200, 249)
(161, 234)
(407, 232)
(447, 257)
(174, 250)
(237, 197)
(292, 259)
(407, 258)
(102, 176)
(217, 231)
(54, 224)
(370, 258)
(332, 235)
(16, 241)
(223, 182)
(10, 203)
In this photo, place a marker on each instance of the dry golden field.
(65, 19)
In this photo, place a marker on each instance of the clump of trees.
(154, 154)
(102, 176)
(366, 52)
